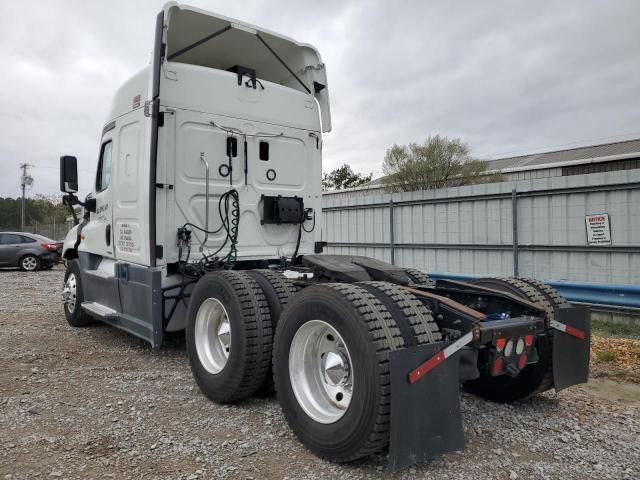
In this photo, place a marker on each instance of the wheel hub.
(69, 292)
(335, 368)
(321, 371)
(29, 263)
(213, 335)
(224, 334)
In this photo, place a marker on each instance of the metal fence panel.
(470, 229)
(54, 231)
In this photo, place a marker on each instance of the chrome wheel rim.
(29, 263)
(69, 292)
(321, 371)
(213, 335)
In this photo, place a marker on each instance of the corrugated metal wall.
(470, 229)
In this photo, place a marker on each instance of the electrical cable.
(230, 218)
(295, 254)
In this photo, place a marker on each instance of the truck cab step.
(97, 309)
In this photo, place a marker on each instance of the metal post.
(23, 185)
(392, 246)
(24, 181)
(514, 221)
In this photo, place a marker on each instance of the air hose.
(229, 211)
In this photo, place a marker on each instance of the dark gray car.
(28, 251)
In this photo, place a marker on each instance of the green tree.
(342, 178)
(437, 163)
(40, 209)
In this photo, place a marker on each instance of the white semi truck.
(205, 217)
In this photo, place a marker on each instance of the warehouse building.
(607, 157)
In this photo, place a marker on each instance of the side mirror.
(90, 204)
(68, 174)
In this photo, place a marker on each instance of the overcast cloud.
(505, 76)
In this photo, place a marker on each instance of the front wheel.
(29, 263)
(72, 296)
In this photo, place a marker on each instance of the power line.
(56, 168)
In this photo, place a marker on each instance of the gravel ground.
(97, 403)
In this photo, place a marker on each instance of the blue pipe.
(619, 295)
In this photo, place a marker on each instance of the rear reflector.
(426, 367)
(440, 357)
(498, 365)
(500, 343)
(522, 361)
(569, 330)
(528, 340)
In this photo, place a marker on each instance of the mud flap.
(425, 415)
(570, 352)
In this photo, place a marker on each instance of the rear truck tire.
(331, 370)
(73, 296)
(228, 335)
(414, 318)
(418, 277)
(30, 263)
(277, 290)
(551, 294)
(533, 379)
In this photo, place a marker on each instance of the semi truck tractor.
(205, 218)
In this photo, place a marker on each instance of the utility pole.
(25, 180)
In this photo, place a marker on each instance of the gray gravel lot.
(97, 403)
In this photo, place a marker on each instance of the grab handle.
(206, 199)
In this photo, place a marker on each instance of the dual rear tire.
(535, 378)
(330, 356)
(331, 363)
(229, 336)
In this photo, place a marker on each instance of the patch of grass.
(606, 355)
(609, 329)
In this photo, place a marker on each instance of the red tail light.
(500, 343)
(52, 247)
(528, 340)
(498, 365)
(522, 361)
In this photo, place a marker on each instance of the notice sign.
(598, 229)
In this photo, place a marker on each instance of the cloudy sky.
(508, 77)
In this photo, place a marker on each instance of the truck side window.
(104, 167)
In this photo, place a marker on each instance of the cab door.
(96, 250)
(97, 233)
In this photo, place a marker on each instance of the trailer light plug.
(184, 236)
(308, 213)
